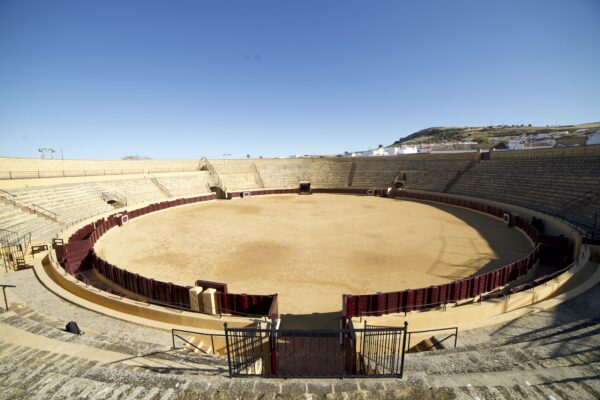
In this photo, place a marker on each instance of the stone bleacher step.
(64, 386)
(40, 324)
(503, 358)
(537, 392)
(500, 360)
(44, 325)
(557, 333)
(557, 383)
(26, 367)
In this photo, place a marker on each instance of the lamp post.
(44, 150)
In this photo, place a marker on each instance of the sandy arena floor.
(312, 249)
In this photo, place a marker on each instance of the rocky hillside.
(490, 135)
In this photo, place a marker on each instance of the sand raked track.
(312, 249)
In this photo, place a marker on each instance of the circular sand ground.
(312, 249)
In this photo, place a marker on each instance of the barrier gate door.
(366, 352)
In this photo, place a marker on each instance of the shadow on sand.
(311, 321)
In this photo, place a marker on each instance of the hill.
(484, 135)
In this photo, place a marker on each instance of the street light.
(42, 150)
(51, 151)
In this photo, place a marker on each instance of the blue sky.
(185, 79)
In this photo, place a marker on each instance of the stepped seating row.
(13, 168)
(428, 174)
(331, 174)
(73, 202)
(180, 186)
(77, 201)
(545, 184)
(434, 181)
(135, 190)
(239, 181)
(70, 202)
(21, 222)
(236, 174)
(285, 174)
(289, 173)
(555, 152)
(422, 173)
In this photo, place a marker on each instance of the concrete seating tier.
(331, 173)
(284, 173)
(136, 191)
(21, 222)
(554, 152)
(239, 181)
(425, 172)
(187, 185)
(288, 173)
(236, 174)
(421, 174)
(77, 201)
(555, 186)
(15, 168)
(70, 202)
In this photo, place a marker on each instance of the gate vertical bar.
(403, 348)
(273, 350)
(228, 349)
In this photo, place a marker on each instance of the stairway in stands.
(33, 209)
(257, 178)
(459, 175)
(161, 187)
(351, 174)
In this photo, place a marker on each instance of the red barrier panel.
(420, 296)
(409, 300)
(434, 295)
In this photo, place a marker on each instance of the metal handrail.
(4, 293)
(455, 334)
(12, 196)
(52, 213)
(241, 313)
(212, 339)
(213, 171)
(565, 204)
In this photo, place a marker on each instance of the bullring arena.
(468, 275)
(311, 250)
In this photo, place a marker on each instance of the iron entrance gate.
(370, 351)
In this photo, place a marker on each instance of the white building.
(516, 144)
(403, 149)
(594, 138)
(386, 151)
